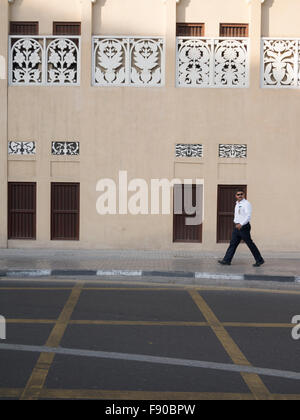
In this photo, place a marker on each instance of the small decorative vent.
(65, 148)
(232, 150)
(21, 148)
(189, 150)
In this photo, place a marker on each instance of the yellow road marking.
(150, 323)
(253, 381)
(289, 397)
(255, 325)
(10, 392)
(30, 289)
(47, 289)
(157, 288)
(40, 372)
(137, 395)
(244, 289)
(141, 323)
(31, 321)
(140, 395)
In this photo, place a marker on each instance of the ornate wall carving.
(214, 63)
(280, 63)
(128, 61)
(189, 150)
(21, 148)
(44, 60)
(233, 151)
(65, 148)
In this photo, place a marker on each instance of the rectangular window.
(181, 231)
(190, 29)
(66, 28)
(226, 206)
(21, 210)
(234, 30)
(24, 28)
(65, 205)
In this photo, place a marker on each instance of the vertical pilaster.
(86, 42)
(4, 16)
(170, 10)
(86, 110)
(255, 12)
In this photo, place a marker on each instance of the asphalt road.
(79, 339)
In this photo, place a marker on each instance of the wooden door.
(21, 210)
(190, 29)
(24, 28)
(235, 30)
(226, 206)
(181, 231)
(66, 28)
(65, 211)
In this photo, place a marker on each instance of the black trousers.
(237, 237)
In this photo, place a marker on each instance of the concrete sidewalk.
(283, 267)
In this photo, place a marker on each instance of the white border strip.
(29, 273)
(128, 273)
(219, 276)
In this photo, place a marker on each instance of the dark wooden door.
(226, 206)
(24, 28)
(21, 210)
(234, 30)
(190, 29)
(65, 203)
(181, 231)
(66, 28)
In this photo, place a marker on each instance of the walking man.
(242, 217)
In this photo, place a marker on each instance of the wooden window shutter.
(65, 205)
(181, 231)
(234, 30)
(226, 206)
(190, 29)
(67, 28)
(21, 210)
(24, 28)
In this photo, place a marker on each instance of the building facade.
(192, 90)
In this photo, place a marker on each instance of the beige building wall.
(279, 18)
(136, 129)
(129, 17)
(41, 11)
(212, 13)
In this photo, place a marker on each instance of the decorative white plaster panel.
(44, 60)
(212, 63)
(280, 63)
(128, 61)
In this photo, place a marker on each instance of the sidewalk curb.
(143, 273)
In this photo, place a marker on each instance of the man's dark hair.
(240, 191)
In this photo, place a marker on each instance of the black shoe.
(259, 263)
(222, 262)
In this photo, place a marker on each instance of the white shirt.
(242, 212)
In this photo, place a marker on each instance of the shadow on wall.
(266, 17)
(181, 17)
(97, 15)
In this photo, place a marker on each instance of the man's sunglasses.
(238, 195)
